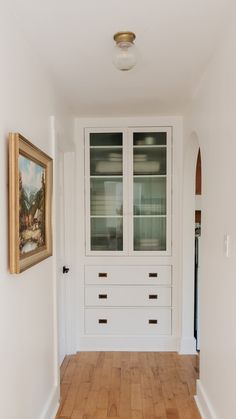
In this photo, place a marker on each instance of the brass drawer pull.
(102, 321)
(153, 274)
(152, 321)
(153, 296)
(102, 296)
(102, 274)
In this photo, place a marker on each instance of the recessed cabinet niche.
(128, 191)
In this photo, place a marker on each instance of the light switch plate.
(227, 245)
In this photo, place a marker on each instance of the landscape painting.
(30, 204)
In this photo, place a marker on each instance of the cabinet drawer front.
(158, 275)
(127, 296)
(128, 321)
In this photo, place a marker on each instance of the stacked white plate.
(140, 157)
(115, 157)
(109, 167)
(146, 167)
(149, 243)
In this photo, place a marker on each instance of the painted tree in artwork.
(23, 205)
(37, 209)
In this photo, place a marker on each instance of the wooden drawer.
(153, 275)
(128, 321)
(129, 295)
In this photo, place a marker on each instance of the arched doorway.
(188, 341)
(197, 259)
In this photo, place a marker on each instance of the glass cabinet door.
(128, 182)
(149, 191)
(106, 191)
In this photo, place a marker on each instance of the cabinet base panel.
(188, 346)
(128, 343)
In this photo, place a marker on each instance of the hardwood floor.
(128, 385)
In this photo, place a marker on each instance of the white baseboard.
(204, 406)
(187, 346)
(52, 405)
(128, 343)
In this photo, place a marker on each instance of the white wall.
(28, 346)
(212, 117)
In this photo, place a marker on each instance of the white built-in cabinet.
(128, 190)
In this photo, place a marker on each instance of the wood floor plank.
(172, 413)
(82, 396)
(78, 414)
(136, 397)
(64, 366)
(136, 414)
(114, 393)
(128, 385)
(101, 414)
(69, 371)
(125, 392)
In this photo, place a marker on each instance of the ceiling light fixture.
(124, 57)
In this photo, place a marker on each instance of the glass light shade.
(124, 57)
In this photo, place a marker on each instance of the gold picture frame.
(30, 204)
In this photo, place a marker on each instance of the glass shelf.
(101, 139)
(150, 233)
(149, 138)
(150, 196)
(149, 161)
(106, 161)
(106, 234)
(106, 196)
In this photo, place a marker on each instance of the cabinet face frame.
(127, 154)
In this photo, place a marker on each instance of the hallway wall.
(28, 355)
(212, 117)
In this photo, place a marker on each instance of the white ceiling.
(175, 39)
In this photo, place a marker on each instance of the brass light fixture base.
(124, 37)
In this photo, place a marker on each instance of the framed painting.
(30, 204)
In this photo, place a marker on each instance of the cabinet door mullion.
(126, 163)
